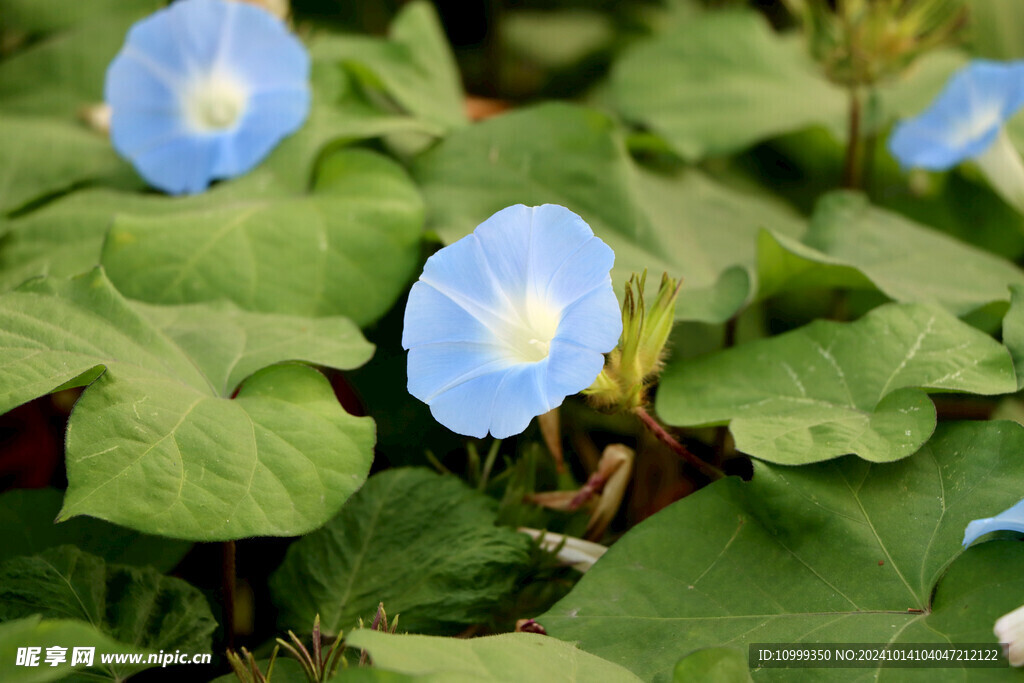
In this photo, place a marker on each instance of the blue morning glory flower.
(964, 120)
(204, 89)
(508, 321)
(1009, 520)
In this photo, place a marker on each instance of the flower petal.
(518, 399)
(570, 370)
(920, 144)
(1009, 520)
(460, 271)
(964, 119)
(270, 117)
(564, 234)
(132, 84)
(286, 67)
(191, 25)
(467, 408)
(431, 317)
(525, 246)
(581, 274)
(181, 165)
(505, 241)
(147, 131)
(156, 44)
(437, 368)
(594, 321)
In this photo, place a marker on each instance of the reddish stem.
(678, 448)
(593, 487)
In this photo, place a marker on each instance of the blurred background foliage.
(513, 54)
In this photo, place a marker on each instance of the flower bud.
(635, 363)
(866, 41)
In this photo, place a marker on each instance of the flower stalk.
(666, 438)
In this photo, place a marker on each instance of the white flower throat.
(531, 327)
(215, 102)
(981, 120)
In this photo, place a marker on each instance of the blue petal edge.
(1008, 520)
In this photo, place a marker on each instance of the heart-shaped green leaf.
(402, 518)
(509, 657)
(63, 68)
(846, 551)
(414, 66)
(28, 514)
(714, 665)
(851, 243)
(1013, 331)
(138, 607)
(829, 388)
(39, 157)
(65, 236)
(34, 632)
(720, 82)
(348, 248)
(154, 443)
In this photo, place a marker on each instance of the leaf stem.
(679, 449)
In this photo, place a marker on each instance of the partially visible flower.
(1009, 629)
(508, 321)
(965, 122)
(204, 89)
(1008, 520)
